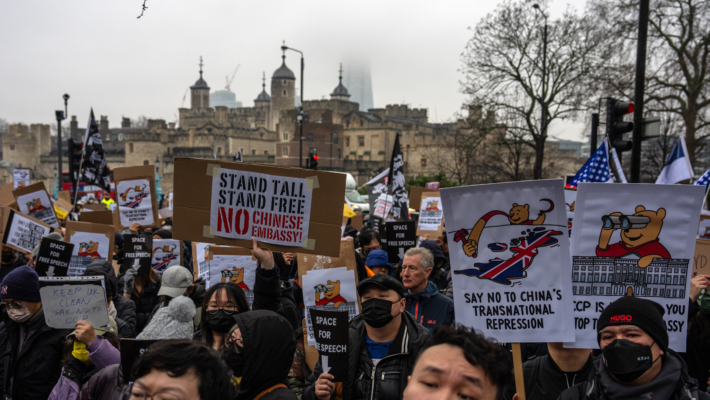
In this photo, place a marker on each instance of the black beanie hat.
(630, 310)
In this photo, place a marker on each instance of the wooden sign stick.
(518, 368)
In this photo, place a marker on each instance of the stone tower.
(200, 93)
(340, 92)
(283, 92)
(262, 103)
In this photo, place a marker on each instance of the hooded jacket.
(430, 308)
(269, 344)
(686, 388)
(36, 367)
(104, 385)
(544, 379)
(19, 261)
(386, 380)
(440, 274)
(125, 309)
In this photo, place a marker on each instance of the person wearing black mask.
(384, 341)
(636, 362)
(222, 302)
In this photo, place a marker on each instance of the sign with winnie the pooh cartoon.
(633, 239)
(135, 196)
(328, 290)
(235, 265)
(509, 249)
(34, 201)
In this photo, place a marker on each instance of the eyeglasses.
(132, 392)
(13, 305)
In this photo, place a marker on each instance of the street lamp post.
(301, 115)
(61, 116)
(56, 192)
(158, 190)
(543, 105)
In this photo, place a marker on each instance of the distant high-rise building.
(225, 98)
(356, 77)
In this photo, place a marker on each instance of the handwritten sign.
(138, 253)
(66, 305)
(53, 258)
(331, 334)
(701, 260)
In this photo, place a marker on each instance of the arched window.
(284, 92)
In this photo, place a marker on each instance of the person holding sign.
(31, 350)
(636, 362)
(88, 350)
(383, 343)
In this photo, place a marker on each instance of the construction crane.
(184, 96)
(229, 81)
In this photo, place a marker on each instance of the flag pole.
(78, 179)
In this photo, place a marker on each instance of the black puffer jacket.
(36, 368)
(125, 309)
(269, 344)
(104, 385)
(544, 379)
(390, 374)
(270, 293)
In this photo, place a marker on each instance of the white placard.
(203, 262)
(383, 205)
(24, 233)
(570, 200)
(271, 208)
(430, 214)
(135, 203)
(652, 258)
(170, 201)
(21, 178)
(87, 248)
(240, 270)
(331, 290)
(509, 251)
(38, 206)
(66, 305)
(166, 253)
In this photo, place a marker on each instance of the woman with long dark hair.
(222, 302)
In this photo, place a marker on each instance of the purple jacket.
(101, 353)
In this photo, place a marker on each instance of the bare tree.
(140, 122)
(4, 125)
(502, 67)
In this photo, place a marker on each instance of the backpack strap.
(269, 390)
(531, 379)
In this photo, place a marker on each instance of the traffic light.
(74, 150)
(615, 124)
(312, 162)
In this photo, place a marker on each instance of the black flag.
(238, 156)
(94, 168)
(400, 208)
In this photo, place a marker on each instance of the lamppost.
(56, 192)
(301, 115)
(158, 190)
(543, 118)
(61, 116)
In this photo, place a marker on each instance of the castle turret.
(200, 93)
(262, 104)
(283, 91)
(340, 92)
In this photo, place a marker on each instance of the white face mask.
(19, 315)
(112, 311)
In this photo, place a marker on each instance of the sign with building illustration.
(633, 239)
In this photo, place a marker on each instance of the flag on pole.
(596, 169)
(238, 156)
(704, 179)
(375, 187)
(678, 167)
(95, 170)
(400, 208)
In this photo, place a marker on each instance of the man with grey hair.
(424, 302)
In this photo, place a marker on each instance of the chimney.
(103, 125)
(125, 122)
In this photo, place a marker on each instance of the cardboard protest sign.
(95, 280)
(135, 196)
(431, 215)
(165, 213)
(701, 260)
(200, 261)
(103, 217)
(356, 221)
(93, 207)
(34, 201)
(6, 196)
(66, 305)
(233, 264)
(633, 239)
(332, 289)
(62, 208)
(570, 201)
(131, 349)
(53, 258)
(228, 203)
(401, 236)
(91, 242)
(23, 233)
(509, 254)
(415, 196)
(137, 253)
(331, 334)
(20, 178)
(165, 254)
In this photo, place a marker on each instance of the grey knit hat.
(171, 322)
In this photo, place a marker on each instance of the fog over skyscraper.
(356, 77)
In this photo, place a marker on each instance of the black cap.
(630, 310)
(385, 282)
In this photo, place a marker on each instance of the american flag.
(501, 271)
(596, 169)
(704, 179)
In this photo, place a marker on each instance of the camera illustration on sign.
(235, 276)
(90, 249)
(35, 206)
(638, 264)
(163, 256)
(329, 293)
(524, 248)
(133, 196)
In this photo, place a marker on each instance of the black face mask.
(7, 257)
(627, 360)
(220, 321)
(377, 312)
(235, 360)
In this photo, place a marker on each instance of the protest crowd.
(180, 331)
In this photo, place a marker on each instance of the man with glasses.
(31, 351)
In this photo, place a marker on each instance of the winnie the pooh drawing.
(520, 215)
(639, 235)
(432, 205)
(90, 249)
(236, 276)
(35, 206)
(331, 294)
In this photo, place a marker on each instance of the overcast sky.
(105, 58)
